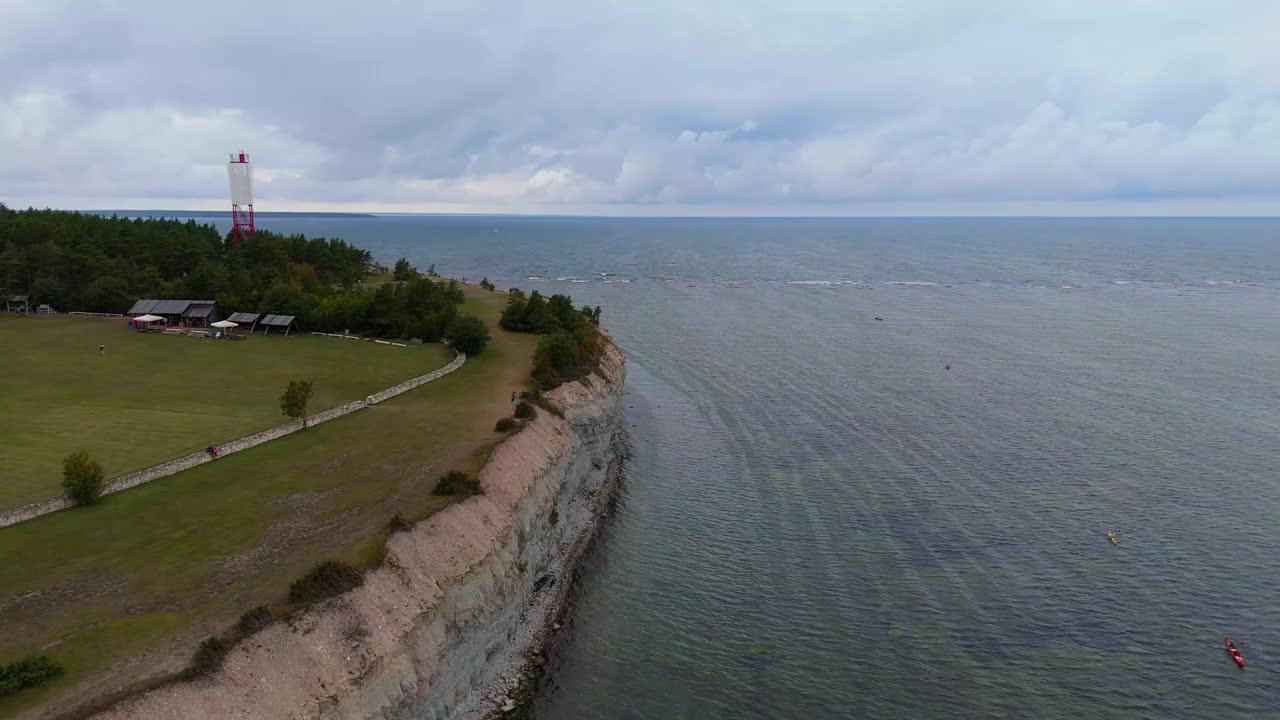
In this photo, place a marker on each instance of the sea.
(873, 462)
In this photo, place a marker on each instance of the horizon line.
(368, 214)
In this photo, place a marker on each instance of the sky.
(652, 107)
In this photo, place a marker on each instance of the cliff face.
(443, 627)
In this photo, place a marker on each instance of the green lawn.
(154, 397)
(123, 592)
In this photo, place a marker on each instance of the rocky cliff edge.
(442, 628)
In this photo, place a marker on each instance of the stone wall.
(408, 385)
(186, 462)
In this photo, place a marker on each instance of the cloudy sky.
(807, 107)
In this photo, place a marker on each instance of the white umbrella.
(147, 318)
(224, 324)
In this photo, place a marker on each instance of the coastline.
(515, 697)
(464, 601)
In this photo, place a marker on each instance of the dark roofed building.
(200, 313)
(18, 303)
(193, 313)
(278, 322)
(243, 318)
(142, 307)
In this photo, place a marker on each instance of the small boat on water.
(1111, 535)
(1234, 653)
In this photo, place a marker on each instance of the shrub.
(28, 672)
(505, 425)
(255, 620)
(405, 271)
(397, 523)
(468, 334)
(329, 578)
(208, 657)
(456, 482)
(525, 411)
(537, 398)
(82, 478)
(564, 355)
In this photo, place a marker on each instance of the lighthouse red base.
(241, 223)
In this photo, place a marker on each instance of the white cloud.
(820, 106)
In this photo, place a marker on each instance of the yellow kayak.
(1112, 537)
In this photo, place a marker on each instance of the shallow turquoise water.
(821, 521)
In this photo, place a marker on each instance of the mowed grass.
(123, 592)
(153, 397)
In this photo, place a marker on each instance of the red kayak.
(1234, 653)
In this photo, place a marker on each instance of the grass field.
(124, 591)
(154, 397)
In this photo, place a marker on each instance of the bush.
(28, 672)
(468, 334)
(329, 578)
(405, 271)
(397, 523)
(505, 425)
(525, 411)
(563, 356)
(537, 398)
(255, 620)
(456, 482)
(82, 478)
(208, 657)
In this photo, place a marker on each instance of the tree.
(468, 334)
(453, 293)
(405, 271)
(513, 314)
(537, 316)
(293, 402)
(431, 271)
(107, 294)
(285, 298)
(82, 478)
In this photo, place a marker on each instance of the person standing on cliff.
(513, 400)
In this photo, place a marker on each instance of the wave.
(815, 282)
(910, 282)
(535, 277)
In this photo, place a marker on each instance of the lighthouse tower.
(240, 175)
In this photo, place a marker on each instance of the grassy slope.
(154, 397)
(137, 581)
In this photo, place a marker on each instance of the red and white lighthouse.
(240, 175)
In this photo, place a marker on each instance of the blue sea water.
(820, 520)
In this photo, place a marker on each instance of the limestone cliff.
(441, 629)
